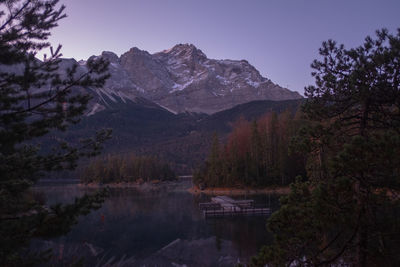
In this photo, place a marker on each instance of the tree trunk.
(362, 235)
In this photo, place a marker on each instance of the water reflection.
(139, 224)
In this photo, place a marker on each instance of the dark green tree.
(115, 169)
(36, 98)
(214, 163)
(348, 212)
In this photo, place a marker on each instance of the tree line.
(255, 154)
(131, 168)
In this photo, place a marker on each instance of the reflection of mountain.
(199, 252)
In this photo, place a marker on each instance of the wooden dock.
(225, 206)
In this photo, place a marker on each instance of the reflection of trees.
(61, 193)
(138, 223)
(246, 233)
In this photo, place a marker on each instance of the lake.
(156, 226)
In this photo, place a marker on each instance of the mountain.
(183, 79)
(170, 103)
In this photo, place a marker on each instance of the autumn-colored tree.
(256, 154)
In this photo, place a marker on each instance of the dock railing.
(225, 206)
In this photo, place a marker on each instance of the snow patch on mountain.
(180, 87)
(96, 108)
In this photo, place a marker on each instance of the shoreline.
(154, 183)
(284, 190)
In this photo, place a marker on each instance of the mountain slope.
(183, 139)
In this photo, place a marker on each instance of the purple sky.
(279, 37)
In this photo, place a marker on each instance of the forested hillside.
(183, 140)
(256, 153)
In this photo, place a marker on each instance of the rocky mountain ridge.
(183, 79)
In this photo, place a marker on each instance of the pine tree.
(214, 163)
(347, 212)
(37, 98)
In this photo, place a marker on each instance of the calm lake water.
(161, 226)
